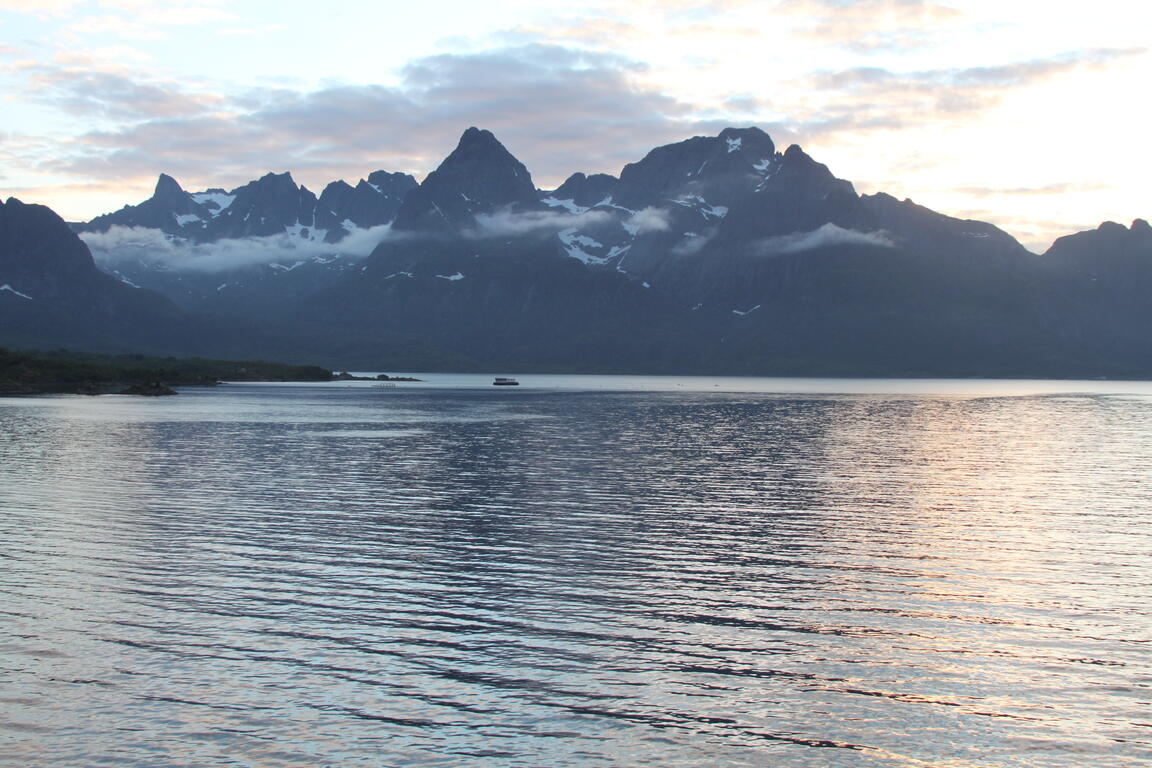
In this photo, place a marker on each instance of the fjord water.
(579, 572)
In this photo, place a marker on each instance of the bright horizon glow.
(1024, 114)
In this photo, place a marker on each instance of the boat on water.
(504, 381)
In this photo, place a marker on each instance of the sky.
(1031, 115)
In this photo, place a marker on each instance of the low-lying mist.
(120, 245)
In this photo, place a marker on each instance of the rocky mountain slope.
(715, 254)
(53, 295)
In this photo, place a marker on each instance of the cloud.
(151, 246)
(826, 236)
(559, 110)
(858, 26)
(138, 18)
(692, 244)
(649, 220)
(1010, 75)
(506, 222)
(1047, 189)
(871, 26)
(875, 98)
(40, 8)
(83, 87)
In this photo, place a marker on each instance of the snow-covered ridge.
(218, 202)
(287, 267)
(575, 245)
(10, 289)
(700, 204)
(567, 205)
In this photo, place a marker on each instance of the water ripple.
(301, 576)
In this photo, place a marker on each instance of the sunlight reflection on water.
(344, 575)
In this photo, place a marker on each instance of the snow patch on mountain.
(607, 203)
(10, 289)
(567, 205)
(575, 243)
(701, 205)
(734, 144)
(452, 278)
(217, 202)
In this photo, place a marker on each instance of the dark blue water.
(914, 575)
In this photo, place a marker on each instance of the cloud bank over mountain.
(826, 236)
(101, 96)
(120, 244)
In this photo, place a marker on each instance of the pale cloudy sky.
(1028, 114)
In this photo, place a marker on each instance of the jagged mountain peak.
(369, 204)
(163, 210)
(479, 176)
(337, 187)
(273, 180)
(480, 150)
(797, 167)
(1108, 237)
(750, 139)
(1139, 226)
(717, 168)
(474, 136)
(582, 190)
(390, 181)
(167, 186)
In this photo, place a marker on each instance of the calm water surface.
(596, 571)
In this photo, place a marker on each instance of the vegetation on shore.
(61, 371)
(345, 376)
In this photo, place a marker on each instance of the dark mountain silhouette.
(718, 254)
(271, 205)
(479, 177)
(52, 295)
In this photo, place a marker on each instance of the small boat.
(503, 381)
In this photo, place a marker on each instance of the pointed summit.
(480, 176)
(167, 187)
(169, 198)
(166, 208)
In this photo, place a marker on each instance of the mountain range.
(718, 254)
